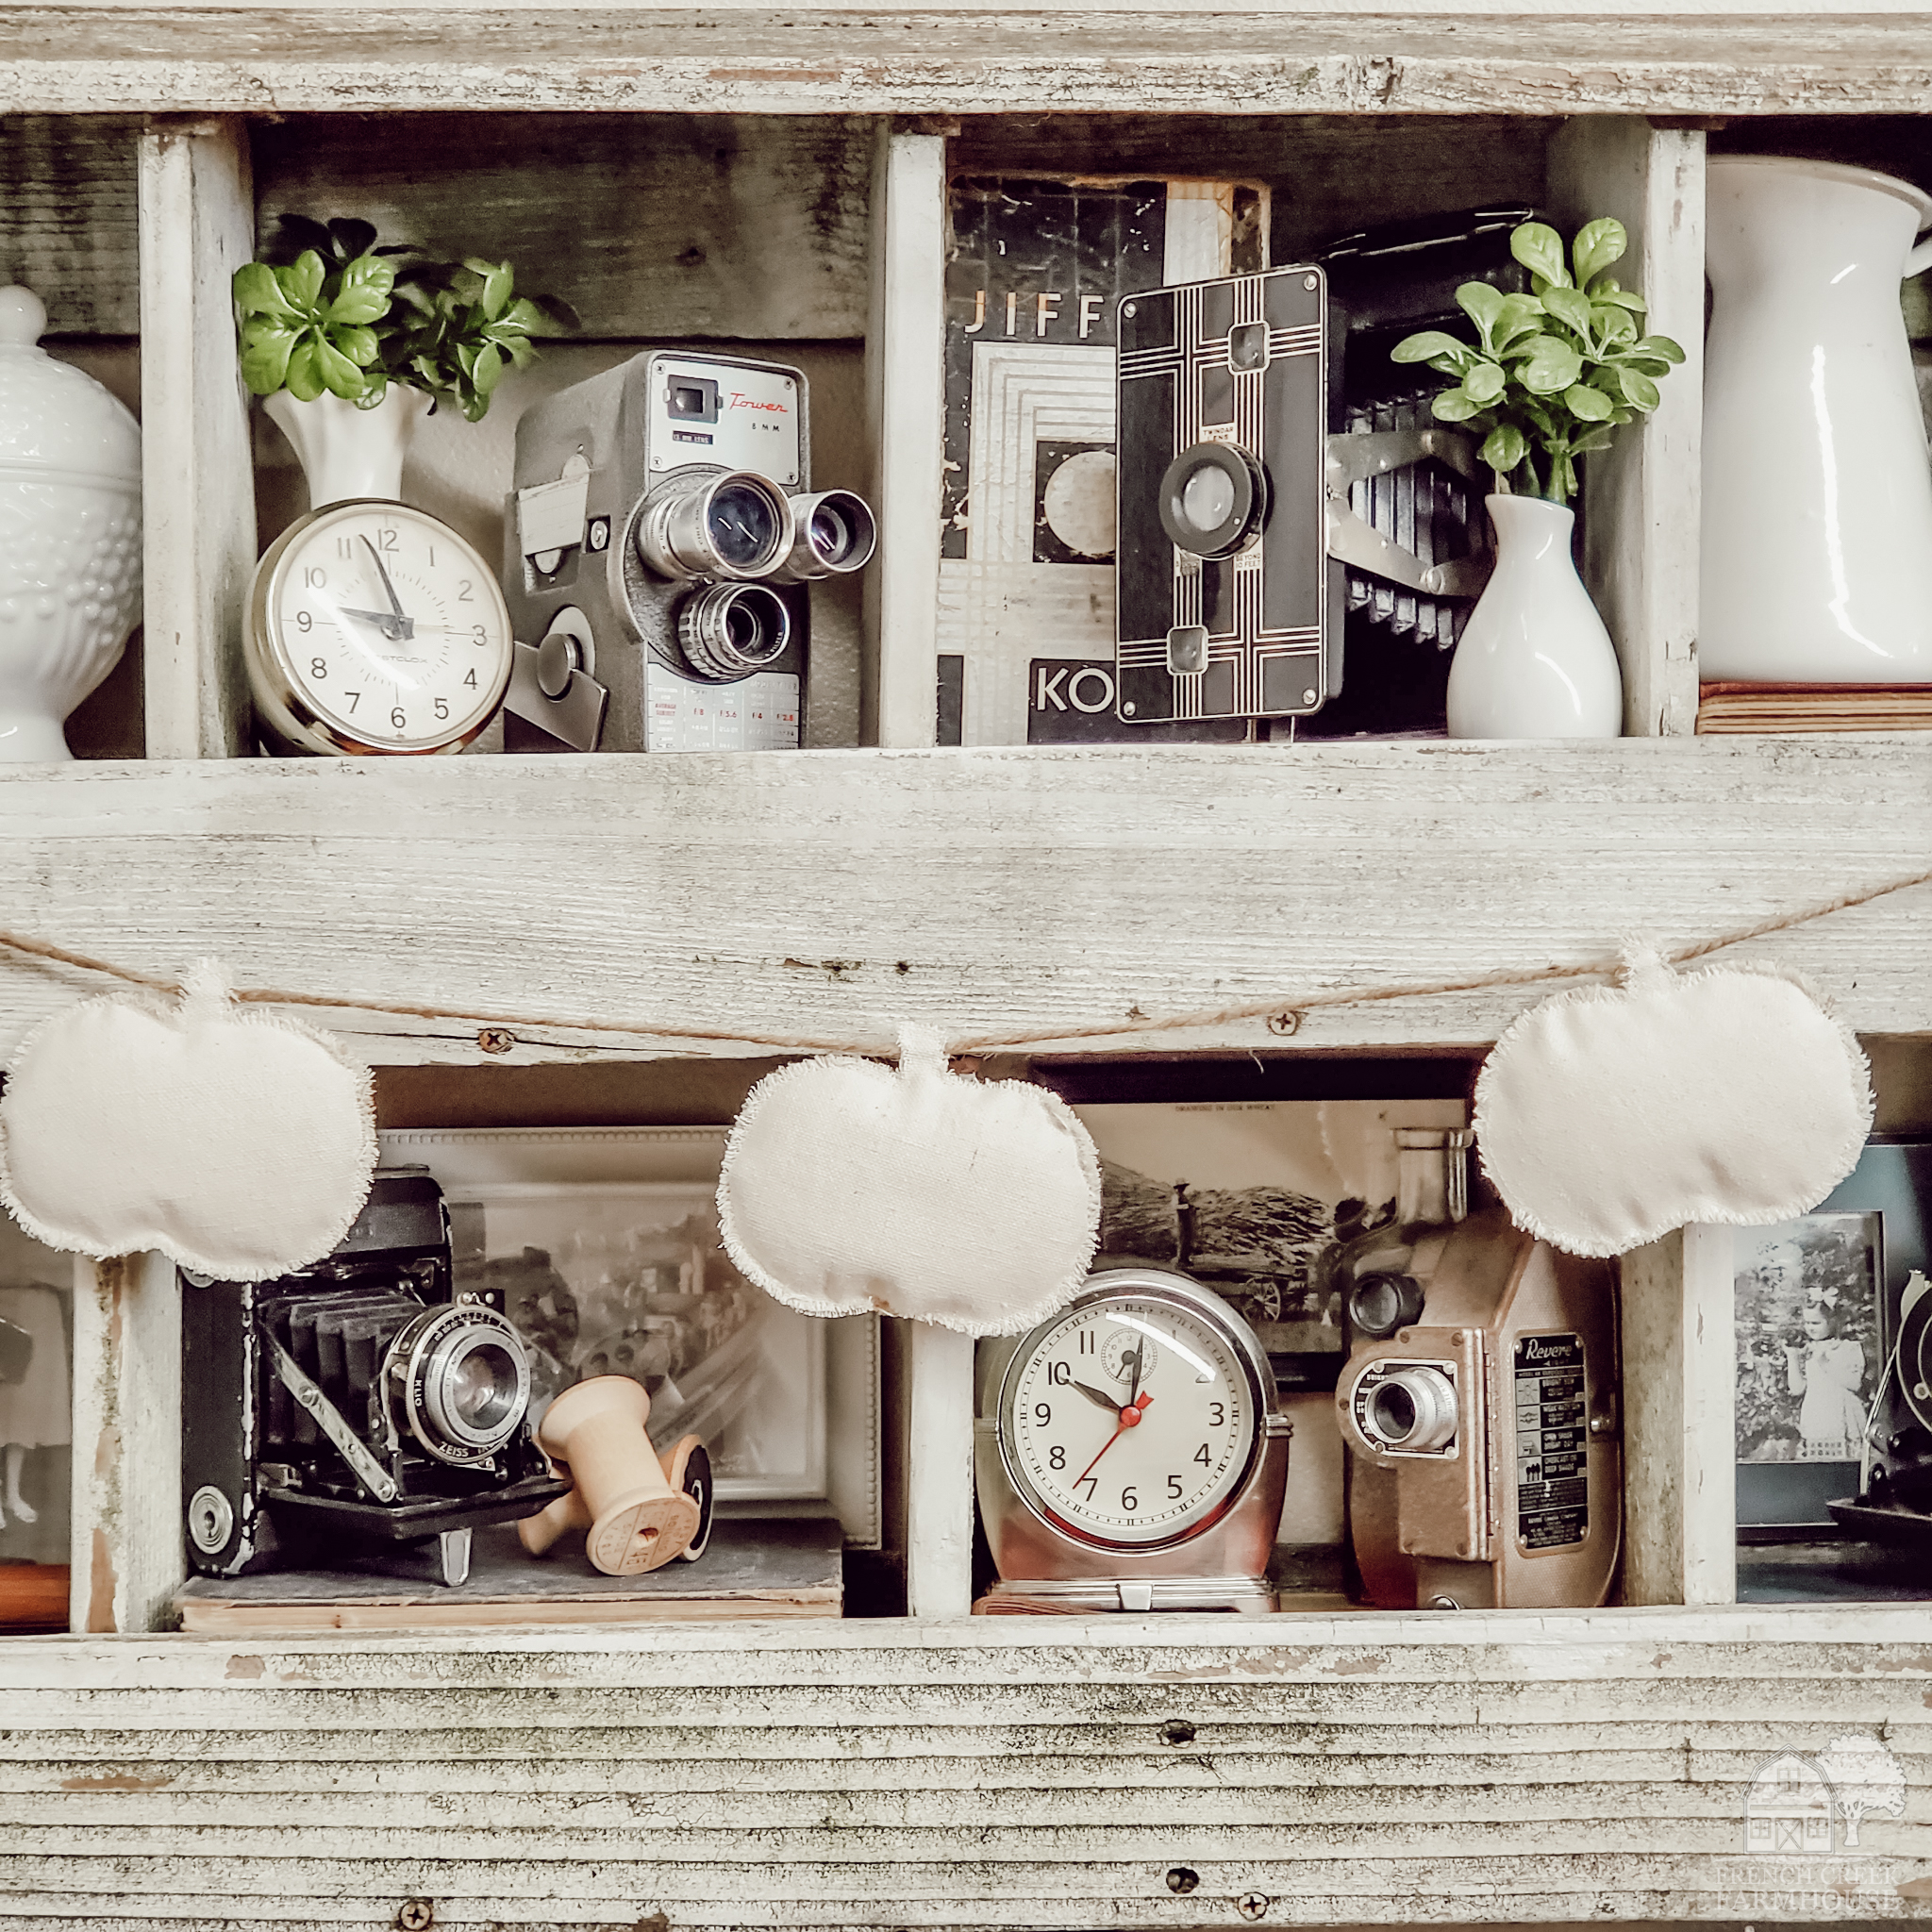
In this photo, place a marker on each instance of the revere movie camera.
(361, 1404)
(1235, 519)
(662, 537)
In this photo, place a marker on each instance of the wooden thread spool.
(687, 1468)
(637, 1520)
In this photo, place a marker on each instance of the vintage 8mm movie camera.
(357, 1406)
(661, 538)
(1479, 1404)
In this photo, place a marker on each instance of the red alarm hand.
(1129, 1416)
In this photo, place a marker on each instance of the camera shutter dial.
(1213, 499)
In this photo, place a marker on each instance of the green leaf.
(303, 280)
(1638, 391)
(1553, 366)
(1615, 326)
(341, 375)
(1540, 249)
(1504, 447)
(1520, 315)
(497, 286)
(265, 351)
(1571, 306)
(1663, 347)
(365, 292)
(258, 292)
(376, 387)
(1589, 405)
(1619, 298)
(488, 371)
(1483, 305)
(1484, 383)
(1590, 439)
(358, 344)
(1452, 406)
(1431, 342)
(1597, 245)
(304, 381)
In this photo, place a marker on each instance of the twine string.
(1286, 1012)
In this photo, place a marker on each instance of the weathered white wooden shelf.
(1025, 894)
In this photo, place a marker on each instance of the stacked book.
(1782, 709)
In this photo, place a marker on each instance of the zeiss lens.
(836, 535)
(730, 630)
(458, 1379)
(728, 524)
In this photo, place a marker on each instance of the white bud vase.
(346, 451)
(1535, 660)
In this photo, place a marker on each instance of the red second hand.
(1129, 1416)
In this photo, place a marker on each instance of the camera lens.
(1378, 1304)
(1409, 1410)
(716, 523)
(836, 535)
(459, 1380)
(730, 630)
(1212, 499)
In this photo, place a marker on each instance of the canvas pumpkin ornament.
(1609, 1115)
(238, 1143)
(848, 1186)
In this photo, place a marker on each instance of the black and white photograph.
(36, 1404)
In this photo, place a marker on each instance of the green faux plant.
(347, 318)
(1553, 372)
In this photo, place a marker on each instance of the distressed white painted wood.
(1473, 1768)
(197, 227)
(983, 60)
(127, 1543)
(905, 400)
(1641, 504)
(939, 1484)
(834, 896)
(1679, 1429)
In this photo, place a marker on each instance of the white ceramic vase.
(70, 534)
(1535, 660)
(346, 451)
(1816, 539)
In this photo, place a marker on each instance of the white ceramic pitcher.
(1817, 489)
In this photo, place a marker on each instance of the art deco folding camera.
(358, 1406)
(660, 540)
(1479, 1404)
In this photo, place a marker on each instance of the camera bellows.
(637, 1520)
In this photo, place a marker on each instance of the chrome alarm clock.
(374, 627)
(1129, 1454)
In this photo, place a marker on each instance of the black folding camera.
(358, 1406)
(660, 542)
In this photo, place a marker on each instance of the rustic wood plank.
(649, 228)
(67, 220)
(126, 1515)
(836, 895)
(986, 59)
(198, 536)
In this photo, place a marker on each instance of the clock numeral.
(397, 717)
(443, 707)
(432, 556)
(478, 635)
(1202, 1457)
(355, 698)
(1043, 1413)
(303, 622)
(385, 540)
(463, 593)
(471, 681)
(1086, 1343)
(314, 577)
(318, 668)
(1218, 1419)
(1060, 1374)
(346, 546)
(1130, 1501)
(1056, 1457)
(1174, 1489)
(1089, 1483)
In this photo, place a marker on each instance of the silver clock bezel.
(1189, 1296)
(280, 707)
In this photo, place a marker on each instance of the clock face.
(1129, 1421)
(378, 628)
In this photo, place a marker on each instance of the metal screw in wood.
(1252, 1905)
(416, 1915)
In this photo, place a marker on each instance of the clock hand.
(401, 626)
(1096, 1395)
(1138, 1358)
(1129, 1416)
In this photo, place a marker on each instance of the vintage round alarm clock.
(1129, 1454)
(375, 627)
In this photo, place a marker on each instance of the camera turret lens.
(728, 524)
(836, 535)
(730, 630)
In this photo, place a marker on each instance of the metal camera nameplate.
(737, 416)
